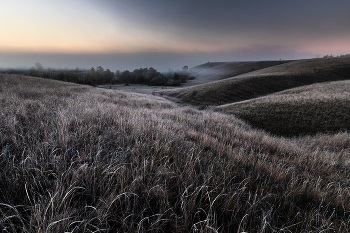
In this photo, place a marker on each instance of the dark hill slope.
(214, 71)
(264, 81)
(316, 108)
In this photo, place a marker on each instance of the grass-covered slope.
(265, 81)
(81, 159)
(316, 108)
(214, 71)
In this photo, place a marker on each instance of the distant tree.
(90, 77)
(125, 77)
(37, 70)
(109, 73)
(92, 72)
(48, 73)
(176, 83)
(61, 76)
(39, 67)
(153, 82)
(99, 70)
(139, 75)
(117, 74)
(185, 68)
(107, 76)
(71, 77)
(176, 76)
(33, 72)
(151, 73)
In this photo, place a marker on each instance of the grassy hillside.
(305, 110)
(265, 81)
(208, 65)
(213, 71)
(81, 159)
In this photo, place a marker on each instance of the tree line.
(100, 76)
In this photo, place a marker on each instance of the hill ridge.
(214, 71)
(263, 82)
(311, 109)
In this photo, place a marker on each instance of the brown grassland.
(264, 81)
(76, 158)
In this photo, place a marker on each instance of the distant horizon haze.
(160, 61)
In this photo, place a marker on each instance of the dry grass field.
(316, 108)
(265, 81)
(81, 159)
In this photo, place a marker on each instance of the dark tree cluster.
(152, 77)
(93, 77)
(100, 76)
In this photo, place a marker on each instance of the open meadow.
(75, 158)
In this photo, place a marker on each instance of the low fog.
(160, 61)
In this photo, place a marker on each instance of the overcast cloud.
(170, 34)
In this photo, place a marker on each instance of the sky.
(129, 34)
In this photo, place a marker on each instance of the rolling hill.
(76, 158)
(263, 82)
(214, 71)
(311, 109)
